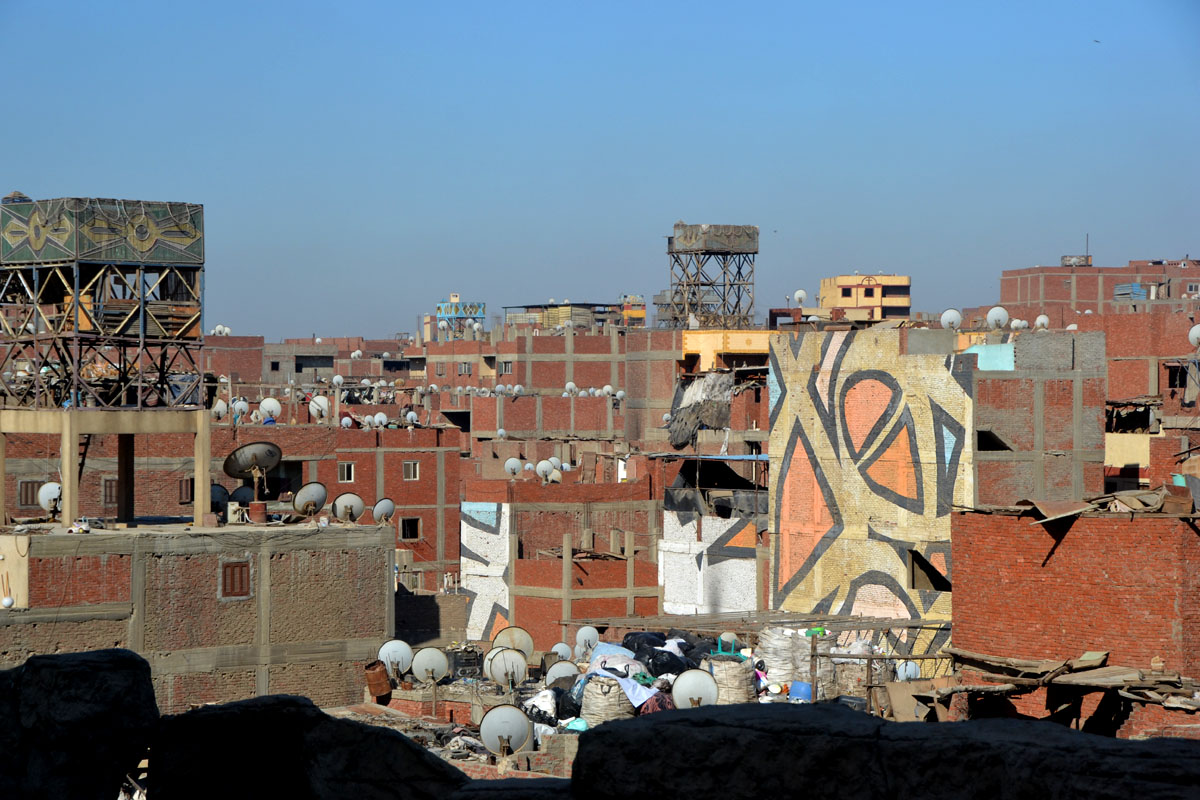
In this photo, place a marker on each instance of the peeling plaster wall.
(710, 572)
(870, 448)
(485, 558)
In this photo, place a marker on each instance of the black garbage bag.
(634, 640)
(691, 638)
(700, 649)
(664, 662)
(568, 706)
(644, 654)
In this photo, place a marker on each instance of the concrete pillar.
(3, 479)
(69, 468)
(568, 559)
(125, 477)
(201, 500)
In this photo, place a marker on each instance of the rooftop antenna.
(516, 638)
(50, 498)
(397, 657)
(348, 507)
(310, 499)
(383, 510)
(563, 668)
(505, 730)
(253, 461)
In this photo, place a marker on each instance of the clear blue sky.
(359, 161)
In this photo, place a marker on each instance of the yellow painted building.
(882, 296)
(709, 349)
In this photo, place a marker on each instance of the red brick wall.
(78, 580)
(1111, 583)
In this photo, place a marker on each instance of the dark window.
(439, 368)
(186, 489)
(305, 363)
(235, 579)
(464, 368)
(27, 492)
(110, 491)
(895, 291)
(274, 366)
(410, 529)
(847, 292)
(1176, 377)
(870, 292)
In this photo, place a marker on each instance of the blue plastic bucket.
(800, 692)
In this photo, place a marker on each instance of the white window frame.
(345, 472)
(412, 470)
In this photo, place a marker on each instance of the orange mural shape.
(866, 402)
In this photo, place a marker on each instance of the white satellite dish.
(386, 354)
(694, 688)
(219, 409)
(310, 498)
(397, 657)
(544, 468)
(564, 668)
(512, 466)
(270, 407)
(318, 407)
(566, 394)
(509, 667)
(515, 637)
(1042, 321)
(346, 422)
(505, 730)
(563, 650)
(443, 324)
(381, 419)
(501, 433)
(1087, 311)
(256, 416)
(430, 665)
(218, 497)
(566, 467)
(518, 390)
(555, 462)
(799, 296)
(607, 390)
(338, 380)
(241, 408)
(433, 388)
(348, 507)
(555, 476)
(383, 510)
(252, 462)
(666, 418)
(486, 665)
(951, 319)
(813, 318)
(571, 387)
(587, 636)
(317, 340)
(580, 651)
(997, 317)
(1074, 327)
(1194, 335)
(50, 496)
(620, 395)
(528, 467)
(411, 418)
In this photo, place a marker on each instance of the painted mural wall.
(870, 450)
(484, 565)
(710, 572)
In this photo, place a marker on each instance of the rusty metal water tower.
(712, 277)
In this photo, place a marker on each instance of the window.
(274, 366)
(109, 491)
(1176, 377)
(235, 579)
(345, 472)
(439, 368)
(186, 490)
(464, 368)
(846, 292)
(27, 492)
(410, 529)
(869, 292)
(412, 470)
(1193, 287)
(506, 368)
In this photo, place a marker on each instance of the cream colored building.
(867, 297)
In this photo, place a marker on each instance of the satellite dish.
(620, 395)
(338, 380)
(386, 354)
(383, 510)
(318, 407)
(501, 433)
(544, 468)
(433, 388)
(485, 392)
(997, 318)
(566, 394)
(347, 422)
(571, 387)
(555, 462)
(317, 340)
(1042, 321)
(310, 499)
(555, 476)
(563, 650)
(528, 467)
(951, 319)
(50, 496)
(365, 382)
(220, 409)
(666, 418)
(564, 668)
(253, 461)
(505, 730)
(397, 657)
(799, 296)
(729, 638)
(515, 637)
(218, 497)
(487, 660)
(381, 419)
(607, 390)
(1194, 335)
(566, 467)
(580, 651)
(256, 416)
(587, 637)
(411, 418)
(443, 324)
(908, 671)
(509, 667)
(241, 408)
(518, 390)
(1087, 311)
(1074, 327)
(430, 665)
(512, 466)
(694, 688)
(270, 407)
(477, 327)
(813, 318)
(348, 506)
(243, 496)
